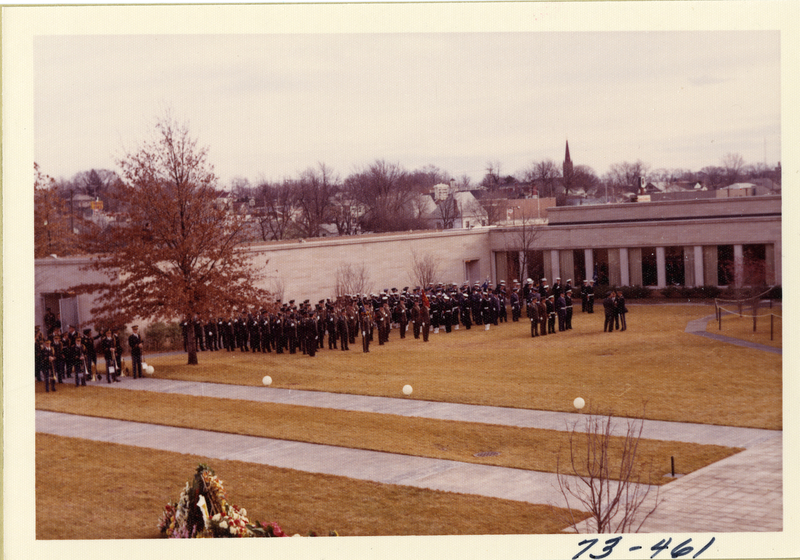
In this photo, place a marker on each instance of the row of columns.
(625, 265)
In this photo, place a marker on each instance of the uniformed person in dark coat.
(330, 325)
(109, 348)
(211, 334)
(254, 332)
(221, 327)
(311, 334)
(199, 339)
(477, 304)
(447, 312)
(568, 300)
(118, 348)
(516, 307)
(502, 302)
(466, 308)
(543, 317)
(561, 312)
(415, 318)
(91, 353)
(76, 354)
(402, 318)
(342, 331)
(551, 315)
(276, 327)
(532, 310)
(621, 310)
(46, 363)
(57, 346)
(290, 330)
(608, 308)
(424, 321)
(584, 295)
(135, 344)
(590, 297)
(365, 325)
(265, 331)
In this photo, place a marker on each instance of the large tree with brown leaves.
(177, 253)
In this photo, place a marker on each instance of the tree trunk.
(191, 344)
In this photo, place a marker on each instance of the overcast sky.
(269, 106)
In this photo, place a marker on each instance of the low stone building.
(691, 243)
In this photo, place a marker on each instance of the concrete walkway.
(546, 420)
(740, 493)
(698, 327)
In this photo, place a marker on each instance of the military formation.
(307, 328)
(62, 355)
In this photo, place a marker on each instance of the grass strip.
(521, 448)
(73, 476)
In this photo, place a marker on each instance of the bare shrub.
(352, 279)
(424, 268)
(603, 476)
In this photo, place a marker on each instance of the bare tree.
(385, 191)
(423, 180)
(713, 177)
(492, 178)
(495, 209)
(352, 279)
(314, 191)
(584, 177)
(424, 268)
(624, 176)
(732, 164)
(346, 211)
(545, 174)
(447, 211)
(277, 288)
(523, 239)
(277, 219)
(605, 477)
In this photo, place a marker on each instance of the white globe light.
(579, 403)
(267, 380)
(408, 389)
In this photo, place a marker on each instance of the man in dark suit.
(135, 344)
(608, 306)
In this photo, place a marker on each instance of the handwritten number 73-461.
(678, 551)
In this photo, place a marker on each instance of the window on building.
(649, 267)
(725, 267)
(579, 267)
(754, 267)
(601, 266)
(535, 265)
(674, 263)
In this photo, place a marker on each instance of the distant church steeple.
(567, 163)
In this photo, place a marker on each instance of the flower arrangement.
(203, 511)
